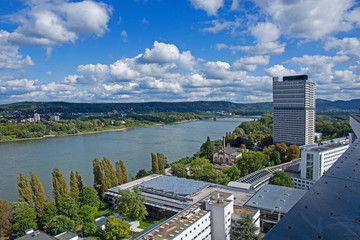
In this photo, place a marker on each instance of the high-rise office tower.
(294, 110)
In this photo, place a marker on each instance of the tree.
(275, 157)
(60, 186)
(251, 162)
(25, 190)
(109, 173)
(281, 148)
(293, 152)
(244, 229)
(49, 212)
(69, 207)
(207, 149)
(154, 165)
(6, 218)
(24, 217)
(79, 181)
(87, 214)
(202, 169)
(59, 224)
(123, 170)
(141, 173)
(74, 186)
(119, 173)
(131, 204)
(233, 172)
(88, 197)
(161, 164)
(40, 198)
(178, 170)
(246, 140)
(282, 179)
(99, 178)
(116, 228)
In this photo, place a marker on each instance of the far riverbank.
(92, 132)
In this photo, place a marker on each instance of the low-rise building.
(274, 202)
(315, 161)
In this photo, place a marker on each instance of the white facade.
(294, 110)
(302, 183)
(221, 211)
(316, 161)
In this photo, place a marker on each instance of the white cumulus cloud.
(210, 6)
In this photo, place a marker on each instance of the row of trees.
(76, 207)
(73, 126)
(106, 177)
(157, 163)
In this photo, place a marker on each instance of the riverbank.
(92, 132)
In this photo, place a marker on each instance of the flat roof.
(66, 236)
(174, 185)
(326, 147)
(276, 198)
(185, 219)
(38, 235)
(244, 211)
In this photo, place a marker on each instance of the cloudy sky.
(175, 50)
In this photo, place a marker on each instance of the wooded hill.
(148, 107)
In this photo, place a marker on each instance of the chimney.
(224, 142)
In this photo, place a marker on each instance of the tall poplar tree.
(119, 173)
(26, 193)
(161, 164)
(79, 181)
(40, 198)
(74, 187)
(123, 171)
(155, 165)
(109, 173)
(60, 186)
(100, 184)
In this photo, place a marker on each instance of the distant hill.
(337, 106)
(200, 106)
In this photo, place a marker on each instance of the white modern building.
(315, 161)
(210, 218)
(294, 110)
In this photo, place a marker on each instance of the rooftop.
(36, 235)
(244, 211)
(183, 220)
(329, 210)
(66, 236)
(275, 198)
(327, 147)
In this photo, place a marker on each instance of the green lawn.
(146, 223)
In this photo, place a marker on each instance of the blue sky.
(175, 50)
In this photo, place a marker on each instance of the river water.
(132, 146)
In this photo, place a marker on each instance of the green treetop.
(109, 172)
(282, 179)
(207, 149)
(155, 165)
(161, 164)
(79, 181)
(123, 171)
(119, 173)
(74, 186)
(6, 217)
(116, 228)
(59, 224)
(25, 190)
(88, 197)
(244, 229)
(60, 186)
(40, 198)
(131, 204)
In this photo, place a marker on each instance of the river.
(132, 146)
